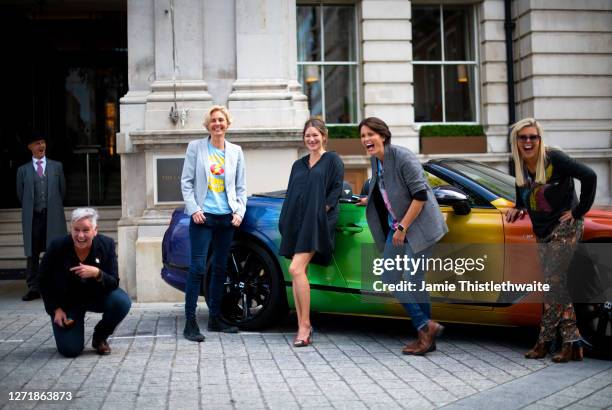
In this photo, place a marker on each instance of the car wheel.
(595, 325)
(254, 292)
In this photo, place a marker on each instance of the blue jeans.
(217, 232)
(416, 302)
(114, 306)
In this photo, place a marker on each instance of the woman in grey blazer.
(404, 219)
(214, 190)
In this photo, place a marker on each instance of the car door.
(472, 251)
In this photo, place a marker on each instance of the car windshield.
(492, 179)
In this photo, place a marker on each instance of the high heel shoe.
(304, 342)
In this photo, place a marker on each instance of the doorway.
(65, 71)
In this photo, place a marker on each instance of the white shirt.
(44, 164)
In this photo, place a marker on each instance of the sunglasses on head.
(525, 138)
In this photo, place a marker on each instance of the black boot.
(192, 331)
(215, 324)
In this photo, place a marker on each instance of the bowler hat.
(35, 135)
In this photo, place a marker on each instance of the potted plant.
(344, 139)
(452, 139)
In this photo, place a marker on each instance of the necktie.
(39, 169)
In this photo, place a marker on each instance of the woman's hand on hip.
(236, 220)
(198, 217)
(513, 214)
(567, 217)
(398, 238)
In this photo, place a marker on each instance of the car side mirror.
(451, 196)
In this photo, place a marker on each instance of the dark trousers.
(217, 232)
(114, 306)
(39, 244)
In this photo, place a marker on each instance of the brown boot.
(427, 338)
(411, 347)
(564, 355)
(538, 351)
(577, 352)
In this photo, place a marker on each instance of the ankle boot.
(564, 355)
(192, 331)
(577, 352)
(427, 338)
(411, 347)
(215, 324)
(537, 352)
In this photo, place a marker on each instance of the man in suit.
(40, 189)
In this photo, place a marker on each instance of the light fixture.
(312, 74)
(462, 75)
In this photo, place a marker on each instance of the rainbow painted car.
(473, 198)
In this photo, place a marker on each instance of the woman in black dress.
(309, 216)
(545, 189)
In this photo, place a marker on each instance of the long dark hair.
(378, 126)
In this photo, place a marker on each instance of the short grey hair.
(85, 213)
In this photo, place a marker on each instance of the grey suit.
(403, 176)
(55, 225)
(196, 171)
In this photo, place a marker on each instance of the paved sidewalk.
(354, 363)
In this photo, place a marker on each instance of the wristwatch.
(400, 228)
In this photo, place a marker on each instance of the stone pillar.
(179, 66)
(266, 93)
(494, 78)
(387, 67)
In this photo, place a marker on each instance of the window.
(327, 61)
(444, 61)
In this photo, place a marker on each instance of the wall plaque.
(169, 179)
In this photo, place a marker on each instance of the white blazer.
(196, 171)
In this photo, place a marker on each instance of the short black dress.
(304, 224)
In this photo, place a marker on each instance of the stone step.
(106, 212)
(16, 239)
(11, 239)
(13, 263)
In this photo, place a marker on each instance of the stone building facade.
(255, 56)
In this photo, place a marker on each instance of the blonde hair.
(221, 108)
(540, 177)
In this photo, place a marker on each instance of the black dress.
(304, 224)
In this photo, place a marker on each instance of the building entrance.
(64, 71)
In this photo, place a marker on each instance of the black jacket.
(62, 288)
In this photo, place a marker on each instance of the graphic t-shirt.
(216, 197)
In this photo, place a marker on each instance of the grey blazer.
(56, 189)
(403, 176)
(196, 171)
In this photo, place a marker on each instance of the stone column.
(494, 78)
(266, 93)
(387, 67)
(179, 66)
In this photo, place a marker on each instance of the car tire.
(595, 325)
(254, 294)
